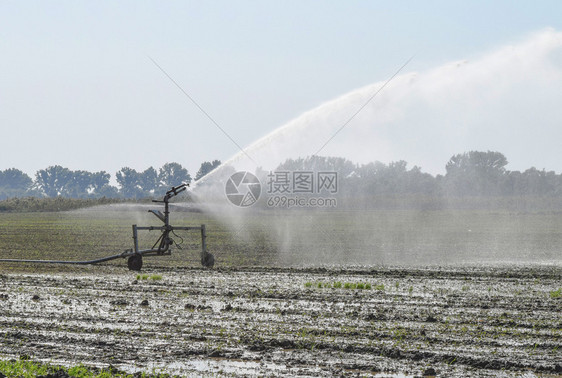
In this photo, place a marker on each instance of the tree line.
(58, 181)
(469, 174)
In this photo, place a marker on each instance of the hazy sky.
(77, 87)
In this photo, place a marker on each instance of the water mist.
(423, 118)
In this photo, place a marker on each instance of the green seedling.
(339, 285)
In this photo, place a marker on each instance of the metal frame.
(164, 242)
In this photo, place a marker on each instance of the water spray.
(363, 106)
(161, 247)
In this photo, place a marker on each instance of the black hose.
(121, 255)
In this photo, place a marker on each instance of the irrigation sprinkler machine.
(161, 247)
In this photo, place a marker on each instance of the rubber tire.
(135, 262)
(208, 260)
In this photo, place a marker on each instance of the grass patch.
(556, 293)
(154, 277)
(340, 285)
(24, 368)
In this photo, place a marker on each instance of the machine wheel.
(135, 262)
(208, 260)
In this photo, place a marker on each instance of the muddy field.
(275, 321)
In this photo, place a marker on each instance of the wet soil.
(444, 321)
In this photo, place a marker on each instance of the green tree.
(206, 167)
(539, 182)
(14, 182)
(148, 181)
(394, 178)
(108, 191)
(343, 166)
(129, 182)
(475, 173)
(100, 185)
(52, 180)
(78, 185)
(173, 174)
(58, 181)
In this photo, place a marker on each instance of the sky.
(78, 86)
